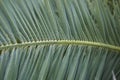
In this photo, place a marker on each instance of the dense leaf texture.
(36, 20)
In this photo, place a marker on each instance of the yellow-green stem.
(63, 42)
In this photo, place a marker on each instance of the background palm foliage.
(29, 21)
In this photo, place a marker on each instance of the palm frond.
(59, 39)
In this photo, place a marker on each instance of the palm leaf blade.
(59, 40)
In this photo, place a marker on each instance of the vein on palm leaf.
(63, 42)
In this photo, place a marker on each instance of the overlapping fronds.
(59, 39)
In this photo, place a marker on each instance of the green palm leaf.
(59, 40)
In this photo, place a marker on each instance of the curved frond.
(59, 39)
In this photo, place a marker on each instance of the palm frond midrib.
(62, 42)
